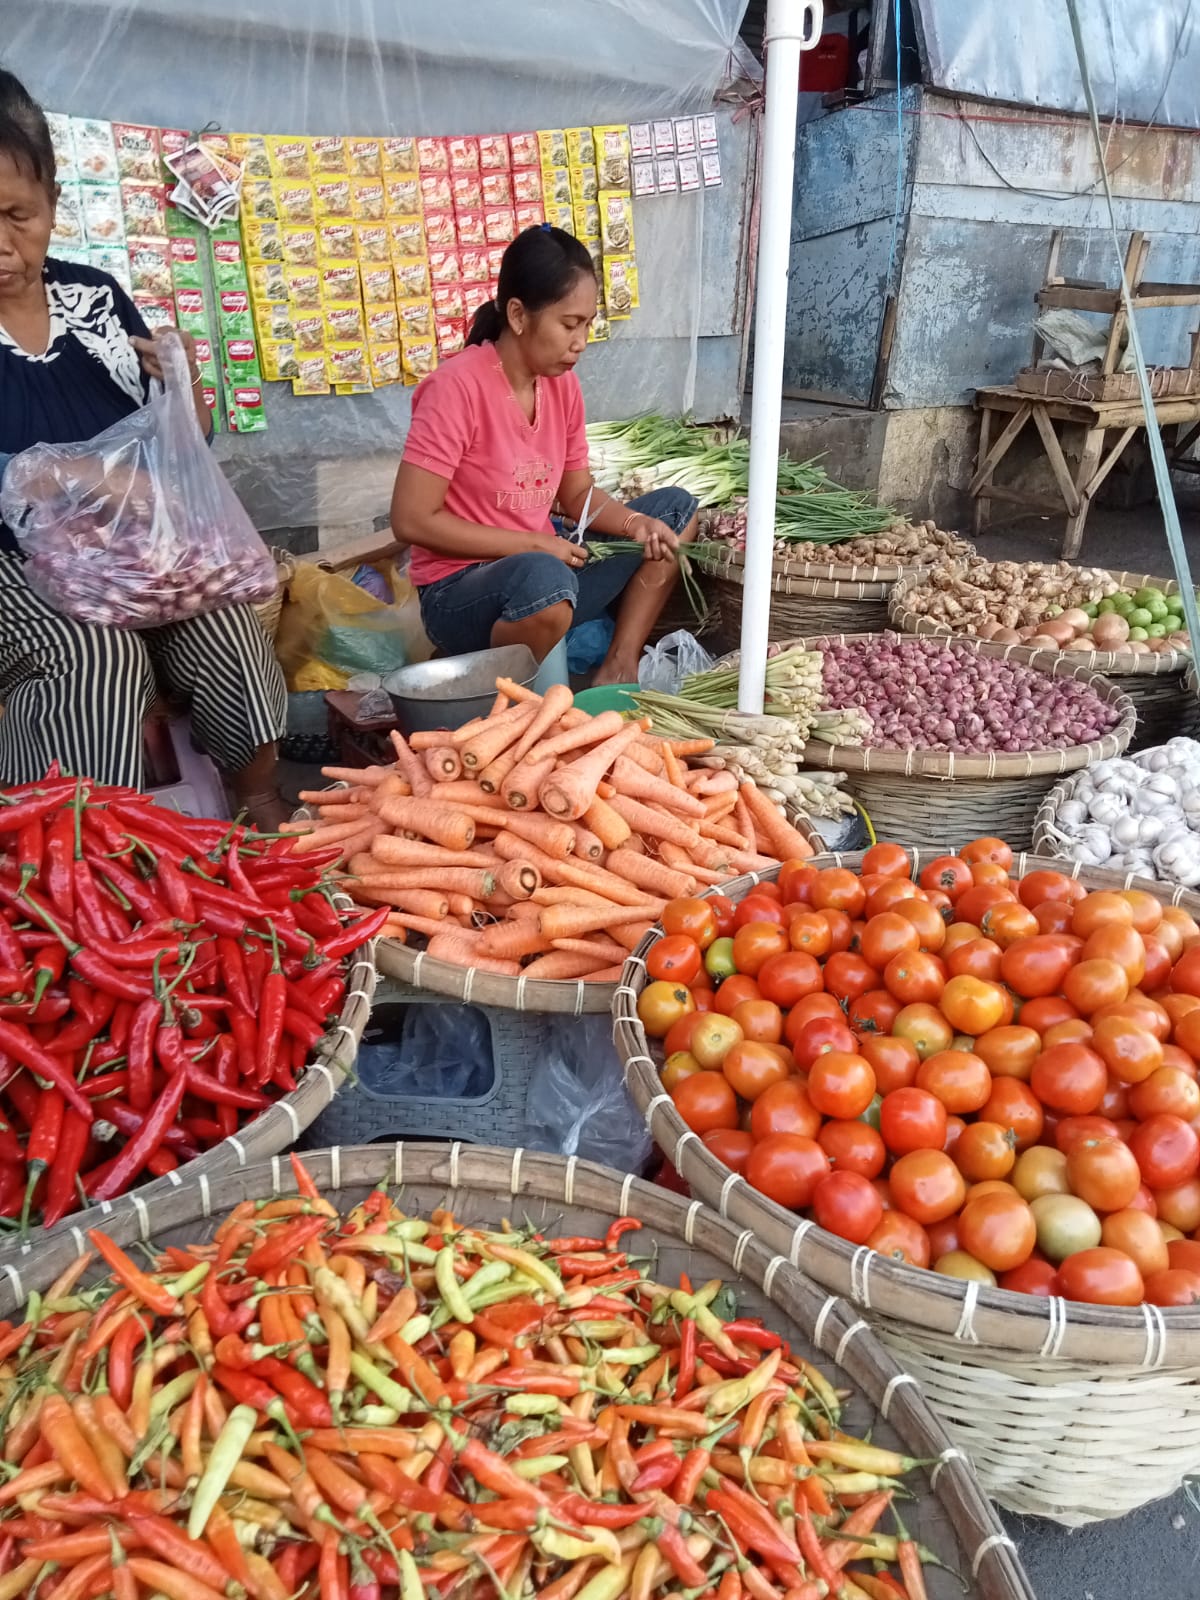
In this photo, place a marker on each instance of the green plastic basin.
(608, 697)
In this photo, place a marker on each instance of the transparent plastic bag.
(665, 665)
(442, 1052)
(578, 1104)
(136, 527)
(332, 628)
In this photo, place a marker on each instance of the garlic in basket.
(1137, 815)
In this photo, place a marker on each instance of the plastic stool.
(553, 669)
(194, 786)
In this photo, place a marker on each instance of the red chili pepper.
(10, 1148)
(42, 1145)
(753, 1333)
(176, 890)
(225, 1072)
(620, 1226)
(120, 1024)
(300, 1026)
(597, 1513)
(119, 1371)
(12, 951)
(313, 980)
(271, 1008)
(233, 974)
(140, 1053)
(125, 985)
(658, 1474)
(128, 1121)
(35, 805)
(142, 1145)
(354, 934)
(16, 1042)
(105, 1083)
(31, 847)
(47, 968)
(305, 1403)
(12, 1187)
(685, 1378)
(283, 1245)
(205, 1087)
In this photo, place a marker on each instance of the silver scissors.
(581, 526)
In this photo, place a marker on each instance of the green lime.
(1094, 610)
(1134, 633)
(1158, 609)
(1123, 604)
(1175, 604)
(1139, 617)
(1144, 596)
(1103, 609)
(1157, 630)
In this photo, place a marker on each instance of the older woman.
(75, 357)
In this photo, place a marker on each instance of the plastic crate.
(362, 1114)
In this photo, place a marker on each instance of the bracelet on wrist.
(630, 516)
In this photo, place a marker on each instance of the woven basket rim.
(1104, 661)
(834, 1329)
(947, 765)
(1043, 844)
(835, 575)
(968, 1315)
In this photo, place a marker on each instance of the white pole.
(792, 26)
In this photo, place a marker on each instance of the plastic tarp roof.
(1144, 56)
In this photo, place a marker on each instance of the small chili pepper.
(355, 934)
(16, 1042)
(31, 846)
(223, 1318)
(141, 1146)
(47, 968)
(233, 974)
(129, 1122)
(42, 1145)
(144, 1288)
(753, 1333)
(271, 1008)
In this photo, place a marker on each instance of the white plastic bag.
(136, 527)
(665, 665)
(578, 1104)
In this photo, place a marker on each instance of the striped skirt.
(79, 694)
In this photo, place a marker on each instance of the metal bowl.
(446, 693)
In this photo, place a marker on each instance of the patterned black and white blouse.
(89, 375)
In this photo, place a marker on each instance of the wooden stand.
(1095, 418)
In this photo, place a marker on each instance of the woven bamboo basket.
(275, 1129)
(1073, 1412)
(1154, 683)
(483, 1185)
(923, 797)
(271, 610)
(1044, 845)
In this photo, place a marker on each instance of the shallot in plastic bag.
(136, 527)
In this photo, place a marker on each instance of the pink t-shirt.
(504, 471)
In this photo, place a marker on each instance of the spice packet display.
(295, 201)
(372, 241)
(150, 266)
(103, 215)
(268, 281)
(447, 301)
(612, 156)
(441, 230)
(362, 158)
(229, 263)
(527, 186)
(339, 280)
(240, 355)
(383, 324)
(560, 217)
(444, 266)
(581, 147)
(689, 174)
(353, 388)
(303, 288)
(620, 286)
(402, 195)
(327, 154)
(586, 222)
(398, 153)
(666, 176)
(157, 311)
(205, 186)
(412, 276)
(710, 169)
(249, 150)
(415, 318)
(663, 132)
(597, 255)
(192, 313)
(205, 358)
(474, 296)
(78, 255)
(68, 217)
(495, 257)
(685, 136)
(378, 285)
(110, 258)
(309, 329)
(644, 179)
(530, 216)
(433, 155)
(407, 236)
(145, 208)
(172, 142)
(289, 157)
(333, 197)
(436, 193)
(466, 190)
(706, 133)
(263, 240)
(180, 225)
(552, 147)
(556, 186)
(274, 320)
(63, 145)
(336, 241)
(497, 188)
(311, 376)
(493, 152)
(473, 265)
(524, 150)
(463, 153)
(234, 315)
(418, 358)
(451, 337)
(641, 141)
(500, 224)
(95, 150)
(279, 360)
(367, 199)
(344, 323)
(583, 184)
(259, 200)
(471, 230)
(385, 362)
(347, 361)
(616, 222)
(599, 330)
(246, 412)
(300, 245)
(137, 151)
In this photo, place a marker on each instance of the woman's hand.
(151, 353)
(571, 555)
(657, 540)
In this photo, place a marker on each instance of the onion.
(1109, 631)
(1043, 641)
(1058, 629)
(1006, 636)
(1077, 620)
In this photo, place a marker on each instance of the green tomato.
(1158, 609)
(1144, 596)
(1092, 609)
(1123, 604)
(1136, 633)
(871, 1115)
(718, 959)
(1103, 609)
(1157, 630)
(1175, 605)
(1139, 617)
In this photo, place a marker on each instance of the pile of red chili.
(378, 1405)
(162, 980)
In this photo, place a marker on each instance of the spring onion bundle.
(685, 555)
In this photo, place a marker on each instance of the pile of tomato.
(995, 1077)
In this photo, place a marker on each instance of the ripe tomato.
(1180, 1206)
(1007, 922)
(958, 1264)
(1139, 1236)
(853, 1146)
(758, 907)
(760, 1020)
(1014, 1105)
(813, 1038)
(1138, 1008)
(813, 1005)
(1120, 943)
(1075, 1130)
(795, 882)
(705, 1100)
(1043, 1014)
(1040, 1170)
(1035, 887)
(675, 959)
(787, 1167)
(722, 908)
(959, 1079)
(975, 958)
(733, 991)
(901, 1239)
(958, 932)
(1101, 1277)
(751, 1067)
(846, 1204)
(925, 1027)
(972, 1005)
(1076, 1031)
(787, 978)
(1167, 1151)
(839, 889)
(848, 975)
(927, 1186)
(888, 860)
(1054, 916)
(785, 1108)
(889, 894)
(984, 1150)
(1034, 1276)
(730, 1145)
(1147, 912)
(755, 943)
(954, 1132)
(1009, 1051)
(1104, 1173)
(1184, 1253)
(1069, 1078)
(1129, 1051)
(1174, 1287)
(943, 1236)
(980, 898)
(841, 1084)
(1158, 963)
(893, 1060)
(998, 1229)
(926, 919)
(661, 1004)
(841, 929)
(1169, 1091)
(950, 874)
(769, 888)
(1100, 908)
(912, 1119)
(679, 1035)
(692, 918)
(873, 1012)
(809, 933)
(988, 849)
(713, 1038)
(1036, 967)
(1182, 920)
(1065, 1224)
(917, 978)
(887, 935)
(678, 1065)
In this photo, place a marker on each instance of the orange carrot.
(427, 739)
(443, 763)
(499, 704)
(785, 842)
(650, 875)
(630, 779)
(466, 792)
(709, 781)
(652, 823)
(509, 941)
(555, 838)
(609, 828)
(393, 928)
(679, 859)
(592, 730)
(555, 701)
(431, 820)
(721, 805)
(522, 788)
(352, 794)
(518, 879)
(724, 834)
(356, 775)
(675, 770)
(569, 922)
(725, 859)
(516, 691)
(460, 736)
(393, 788)
(394, 852)
(582, 875)
(461, 905)
(571, 790)
(423, 903)
(495, 735)
(347, 813)
(630, 934)
(566, 894)
(587, 846)
(690, 747)
(563, 964)
(491, 778)
(475, 881)
(605, 975)
(608, 948)
(645, 752)
(456, 947)
(405, 919)
(409, 766)
(322, 837)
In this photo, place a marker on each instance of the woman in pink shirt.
(497, 439)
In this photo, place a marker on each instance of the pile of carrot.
(540, 840)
